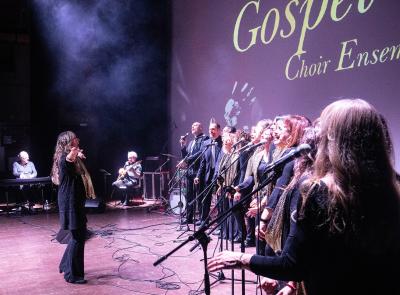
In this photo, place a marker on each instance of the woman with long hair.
(285, 214)
(68, 172)
(257, 159)
(347, 236)
(288, 131)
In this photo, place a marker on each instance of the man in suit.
(206, 173)
(191, 154)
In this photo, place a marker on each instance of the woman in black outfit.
(68, 173)
(347, 236)
(285, 214)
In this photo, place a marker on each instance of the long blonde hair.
(63, 145)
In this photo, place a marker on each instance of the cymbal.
(169, 155)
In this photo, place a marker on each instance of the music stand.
(105, 175)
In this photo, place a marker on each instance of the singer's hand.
(253, 203)
(181, 164)
(260, 231)
(182, 141)
(81, 155)
(237, 196)
(73, 153)
(196, 180)
(286, 291)
(252, 212)
(229, 260)
(268, 285)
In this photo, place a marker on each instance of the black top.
(248, 182)
(331, 263)
(280, 179)
(71, 196)
(243, 159)
(284, 175)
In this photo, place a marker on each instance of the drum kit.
(177, 196)
(177, 190)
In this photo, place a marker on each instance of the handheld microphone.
(294, 153)
(81, 155)
(183, 137)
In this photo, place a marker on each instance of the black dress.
(71, 203)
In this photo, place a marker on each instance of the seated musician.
(24, 169)
(129, 175)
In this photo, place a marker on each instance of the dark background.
(60, 70)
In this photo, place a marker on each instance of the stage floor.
(118, 257)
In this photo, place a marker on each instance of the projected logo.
(239, 104)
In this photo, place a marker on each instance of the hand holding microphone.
(182, 140)
(81, 155)
(75, 152)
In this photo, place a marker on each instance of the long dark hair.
(63, 145)
(354, 161)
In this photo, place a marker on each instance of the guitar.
(122, 171)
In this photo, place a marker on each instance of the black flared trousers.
(72, 262)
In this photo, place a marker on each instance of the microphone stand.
(162, 165)
(224, 225)
(180, 204)
(221, 275)
(204, 239)
(209, 187)
(190, 166)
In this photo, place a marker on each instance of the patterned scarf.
(87, 180)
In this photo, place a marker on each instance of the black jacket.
(193, 156)
(205, 172)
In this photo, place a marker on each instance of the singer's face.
(227, 139)
(281, 133)
(214, 131)
(75, 142)
(267, 135)
(257, 134)
(196, 128)
(253, 133)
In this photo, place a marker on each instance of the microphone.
(183, 137)
(211, 144)
(294, 153)
(81, 155)
(253, 146)
(239, 142)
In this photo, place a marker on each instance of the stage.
(119, 255)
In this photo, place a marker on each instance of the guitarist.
(129, 175)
